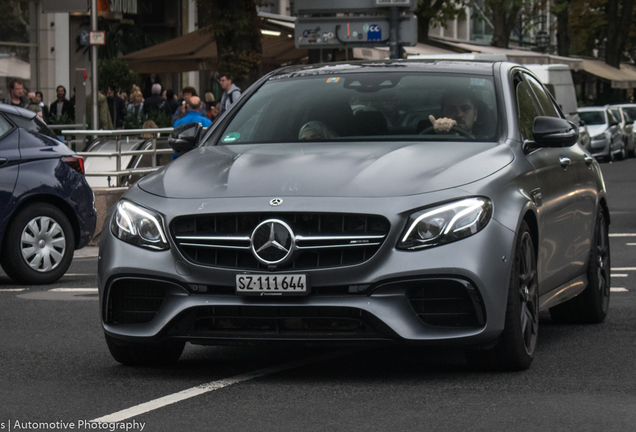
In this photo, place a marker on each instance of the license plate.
(271, 284)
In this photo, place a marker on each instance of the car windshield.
(366, 107)
(592, 117)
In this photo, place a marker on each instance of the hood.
(326, 170)
(596, 129)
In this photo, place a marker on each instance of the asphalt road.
(55, 369)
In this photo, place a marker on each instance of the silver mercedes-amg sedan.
(428, 202)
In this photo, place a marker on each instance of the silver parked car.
(607, 136)
(450, 210)
(623, 113)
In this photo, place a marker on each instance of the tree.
(116, 75)
(504, 15)
(436, 12)
(235, 26)
(15, 25)
(619, 15)
(561, 10)
(587, 24)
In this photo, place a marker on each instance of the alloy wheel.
(602, 256)
(528, 294)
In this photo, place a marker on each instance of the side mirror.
(554, 132)
(614, 123)
(581, 123)
(185, 137)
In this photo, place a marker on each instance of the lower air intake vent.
(133, 301)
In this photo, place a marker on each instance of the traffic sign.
(97, 37)
(350, 32)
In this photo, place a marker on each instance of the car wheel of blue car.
(38, 245)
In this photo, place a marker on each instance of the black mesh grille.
(280, 322)
(133, 301)
(229, 235)
(446, 303)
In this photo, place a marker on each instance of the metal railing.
(120, 136)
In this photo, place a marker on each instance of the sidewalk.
(87, 252)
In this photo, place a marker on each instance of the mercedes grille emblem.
(276, 202)
(273, 242)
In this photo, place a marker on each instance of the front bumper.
(369, 301)
(600, 148)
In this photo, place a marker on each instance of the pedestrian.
(231, 92)
(116, 107)
(39, 99)
(156, 102)
(103, 116)
(62, 105)
(16, 94)
(137, 105)
(33, 106)
(181, 111)
(171, 100)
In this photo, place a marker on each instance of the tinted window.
(592, 117)
(526, 109)
(617, 114)
(631, 112)
(383, 106)
(33, 125)
(545, 101)
(4, 126)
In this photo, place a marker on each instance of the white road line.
(214, 385)
(620, 275)
(73, 290)
(623, 235)
(630, 244)
(12, 289)
(618, 289)
(624, 269)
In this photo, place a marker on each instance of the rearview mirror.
(554, 132)
(185, 137)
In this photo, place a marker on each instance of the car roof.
(470, 67)
(10, 109)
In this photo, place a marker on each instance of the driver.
(458, 109)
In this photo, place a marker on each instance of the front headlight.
(446, 223)
(138, 226)
(600, 137)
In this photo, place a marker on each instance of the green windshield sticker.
(231, 137)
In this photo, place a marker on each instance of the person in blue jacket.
(192, 116)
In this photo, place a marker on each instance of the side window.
(547, 106)
(526, 108)
(617, 114)
(4, 126)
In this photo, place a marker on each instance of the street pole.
(394, 36)
(94, 65)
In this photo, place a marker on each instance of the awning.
(197, 51)
(623, 78)
(14, 68)
(382, 53)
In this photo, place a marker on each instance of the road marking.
(214, 385)
(12, 289)
(630, 244)
(624, 269)
(619, 275)
(73, 290)
(618, 289)
(622, 235)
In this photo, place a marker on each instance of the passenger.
(315, 131)
(459, 108)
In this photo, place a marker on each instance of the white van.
(558, 79)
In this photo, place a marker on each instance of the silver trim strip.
(203, 245)
(337, 246)
(336, 238)
(213, 238)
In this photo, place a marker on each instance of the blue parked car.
(47, 208)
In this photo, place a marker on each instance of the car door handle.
(3, 161)
(589, 160)
(565, 162)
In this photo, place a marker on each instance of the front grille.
(322, 239)
(133, 301)
(446, 302)
(279, 322)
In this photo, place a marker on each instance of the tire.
(132, 354)
(592, 305)
(38, 245)
(516, 345)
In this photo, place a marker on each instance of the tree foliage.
(15, 25)
(235, 26)
(116, 74)
(431, 12)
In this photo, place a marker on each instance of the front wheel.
(38, 245)
(518, 340)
